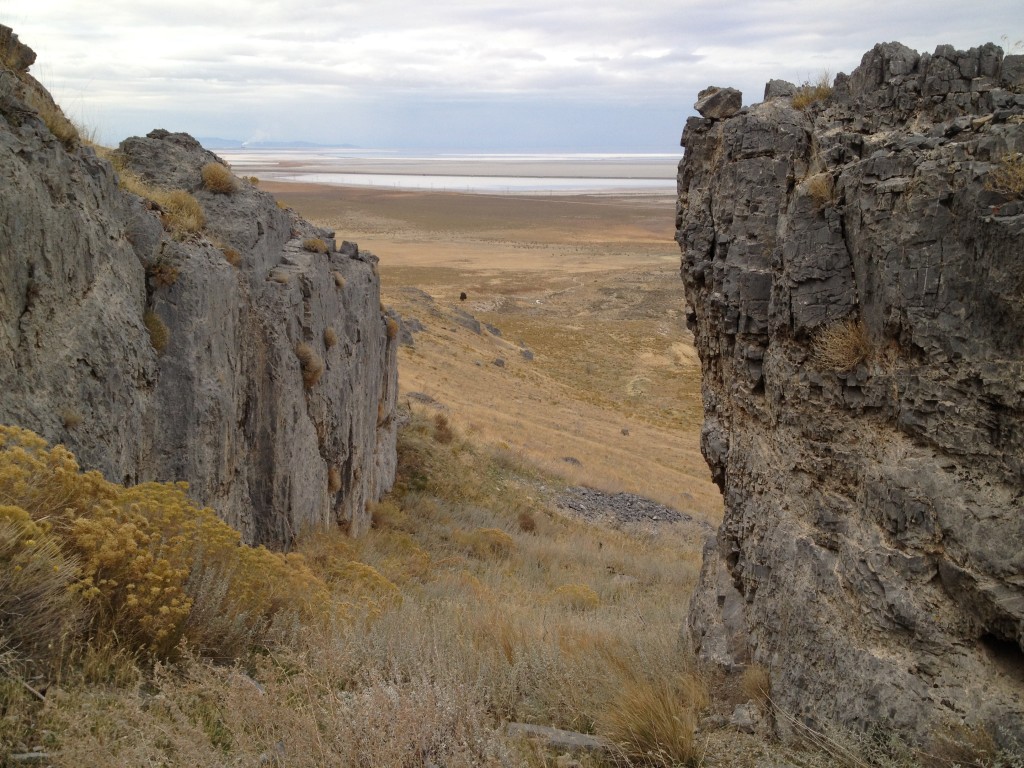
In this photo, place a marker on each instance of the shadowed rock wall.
(871, 551)
(224, 405)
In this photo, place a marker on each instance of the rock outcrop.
(250, 358)
(856, 273)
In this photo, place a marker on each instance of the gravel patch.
(621, 507)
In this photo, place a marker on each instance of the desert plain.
(570, 347)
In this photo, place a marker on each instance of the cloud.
(193, 59)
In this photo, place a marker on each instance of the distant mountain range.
(214, 142)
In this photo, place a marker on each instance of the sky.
(490, 75)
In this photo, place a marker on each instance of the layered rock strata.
(243, 358)
(856, 276)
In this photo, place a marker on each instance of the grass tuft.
(842, 346)
(233, 257)
(811, 93)
(159, 333)
(330, 337)
(314, 245)
(822, 189)
(312, 364)
(218, 178)
(339, 279)
(333, 480)
(653, 722)
(392, 327)
(1007, 177)
(163, 273)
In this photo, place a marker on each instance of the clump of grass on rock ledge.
(218, 178)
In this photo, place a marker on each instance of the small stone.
(500, 362)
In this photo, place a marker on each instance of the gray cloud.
(235, 67)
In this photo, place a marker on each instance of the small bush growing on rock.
(1007, 177)
(163, 273)
(234, 258)
(182, 214)
(314, 245)
(70, 418)
(218, 178)
(822, 189)
(254, 181)
(339, 279)
(392, 328)
(330, 337)
(312, 364)
(813, 92)
(333, 480)
(159, 334)
(842, 346)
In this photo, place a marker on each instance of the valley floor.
(582, 364)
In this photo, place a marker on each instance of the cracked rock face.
(871, 551)
(87, 271)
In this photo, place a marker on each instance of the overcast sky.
(600, 75)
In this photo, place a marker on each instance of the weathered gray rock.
(556, 738)
(870, 555)
(779, 89)
(224, 405)
(716, 103)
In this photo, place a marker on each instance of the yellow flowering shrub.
(149, 561)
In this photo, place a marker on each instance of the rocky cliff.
(855, 270)
(228, 344)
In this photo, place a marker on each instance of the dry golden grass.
(842, 346)
(391, 326)
(811, 93)
(590, 285)
(339, 279)
(180, 213)
(822, 189)
(312, 364)
(163, 273)
(756, 684)
(70, 418)
(1007, 177)
(159, 334)
(232, 256)
(314, 245)
(54, 118)
(653, 721)
(330, 337)
(218, 178)
(333, 480)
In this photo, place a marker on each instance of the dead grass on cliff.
(842, 346)
(1007, 176)
(813, 91)
(218, 178)
(180, 213)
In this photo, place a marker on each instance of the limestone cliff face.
(223, 405)
(871, 552)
